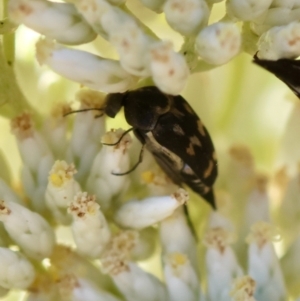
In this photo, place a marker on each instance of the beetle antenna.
(134, 166)
(122, 136)
(85, 110)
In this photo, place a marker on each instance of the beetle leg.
(134, 166)
(122, 136)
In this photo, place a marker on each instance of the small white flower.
(87, 131)
(221, 263)
(186, 16)
(176, 236)
(247, 9)
(263, 265)
(181, 278)
(55, 129)
(147, 212)
(32, 146)
(243, 289)
(218, 43)
(61, 190)
(85, 291)
(133, 48)
(158, 182)
(113, 18)
(28, 229)
(89, 227)
(65, 260)
(118, 252)
(68, 28)
(37, 159)
(85, 68)
(257, 207)
(111, 159)
(280, 42)
(277, 16)
(218, 220)
(92, 10)
(169, 69)
(136, 284)
(16, 271)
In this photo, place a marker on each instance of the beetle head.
(114, 102)
(144, 106)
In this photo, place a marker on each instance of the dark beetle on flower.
(287, 70)
(170, 129)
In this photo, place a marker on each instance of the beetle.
(170, 129)
(287, 70)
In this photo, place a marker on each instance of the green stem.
(145, 82)
(204, 66)
(12, 100)
(9, 48)
(236, 86)
(249, 39)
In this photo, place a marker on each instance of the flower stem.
(12, 100)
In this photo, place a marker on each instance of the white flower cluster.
(142, 55)
(70, 179)
(99, 224)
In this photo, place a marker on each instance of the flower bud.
(88, 129)
(247, 9)
(90, 229)
(28, 229)
(263, 263)
(186, 16)
(55, 129)
(218, 43)
(37, 159)
(133, 282)
(85, 68)
(111, 159)
(221, 263)
(133, 48)
(280, 42)
(92, 12)
(141, 214)
(158, 182)
(169, 69)
(83, 290)
(181, 278)
(68, 28)
(257, 206)
(176, 236)
(61, 190)
(16, 271)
